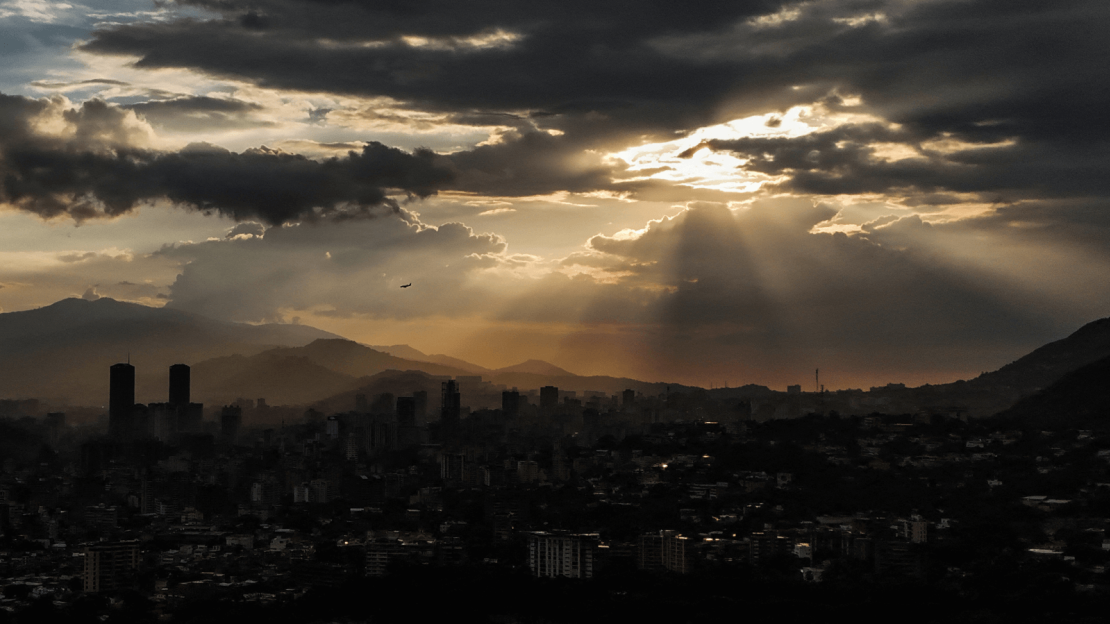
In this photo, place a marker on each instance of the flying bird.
(406, 285)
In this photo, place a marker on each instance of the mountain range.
(328, 373)
(534, 367)
(62, 353)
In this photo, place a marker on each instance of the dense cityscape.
(172, 508)
(558, 311)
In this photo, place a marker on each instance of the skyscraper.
(549, 397)
(510, 403)
(121, 400)
(178, 415)
(406, 411)
(420, 398)
(179, 385)
(231, 419)
(451, 410)
(628, 398)
(408, 433)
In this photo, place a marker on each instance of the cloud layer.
(92, 161)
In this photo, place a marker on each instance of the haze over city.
(732, 193)
(599, 311)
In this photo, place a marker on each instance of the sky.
(711, 193)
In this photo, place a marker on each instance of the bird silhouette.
(406, 285)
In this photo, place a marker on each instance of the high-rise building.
(351, 445)
(628, 398)
(379, 552)
(408, 433)
(553, 555)
(451, 406)
(406, 411)
(766, 544)
(190, 417)
(916, 530)
(146, 493)
(121, 400)
(55, 425)
(381, 435)
(510, 403)
(527, 471)
(452, 467)
(177, 415)
(549, 397)
(664, 550)
(110, 567)
(163, 420)
(383, 404)
(231, 418)
(420, 398)
(179, 384)
(676, 556)
(649, 552)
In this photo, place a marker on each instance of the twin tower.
(126, 419)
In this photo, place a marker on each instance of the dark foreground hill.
(1048, 364)
(998, 391)
(1079, 400)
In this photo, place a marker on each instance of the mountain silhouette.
(996, 391)
(1078, 400)
(352, 358)
(280, 380)
(535, 367)
(409, 353)
(302, 375)
(1045, 365)
(62, 352)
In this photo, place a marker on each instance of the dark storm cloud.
(531, 163)
(942, 65)
(200, 113)
(848, 160)
(97, 170)
(1024, 71)
(566, 57)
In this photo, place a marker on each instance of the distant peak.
(339, 345)
(70, 302)
(75, 303)
(537, 367)
(336, 341)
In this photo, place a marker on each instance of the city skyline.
(890, 191)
